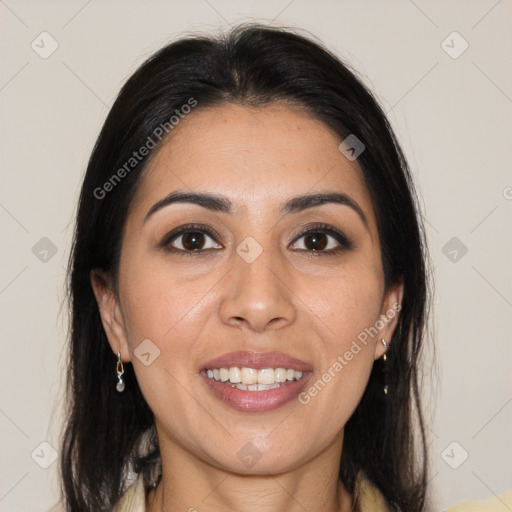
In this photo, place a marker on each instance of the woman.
(248, 291)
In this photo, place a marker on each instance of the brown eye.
(316, 241)
(190, 239)
(322, 239)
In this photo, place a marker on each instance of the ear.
(391, 306)
(110, 312)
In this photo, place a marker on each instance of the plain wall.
(452, 116)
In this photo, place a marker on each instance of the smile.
(252, 379)
(255, 397)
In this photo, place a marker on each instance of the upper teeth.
(251, 376)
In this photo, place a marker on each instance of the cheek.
(172, 312)
(172, 315)
(346, 303)
(161, 306)
(346, 308)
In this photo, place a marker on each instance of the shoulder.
(134, 498)
(494, 504)
(368, 496)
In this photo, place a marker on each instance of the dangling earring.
(120, 371)
(384, 358)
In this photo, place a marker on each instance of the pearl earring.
(120, 371)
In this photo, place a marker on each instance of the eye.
(322, 239)
(191, 238)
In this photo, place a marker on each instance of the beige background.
(452, 115)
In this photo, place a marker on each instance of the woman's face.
(245, 278)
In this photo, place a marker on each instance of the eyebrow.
(217, 203)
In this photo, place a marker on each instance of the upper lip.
(257, 360)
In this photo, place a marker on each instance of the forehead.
(259, 157)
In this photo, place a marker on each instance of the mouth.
(255, 381)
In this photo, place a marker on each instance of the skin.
(291, 299)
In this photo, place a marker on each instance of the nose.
(258, 295)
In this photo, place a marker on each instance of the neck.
(189, 483)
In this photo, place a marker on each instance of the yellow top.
(500, 503)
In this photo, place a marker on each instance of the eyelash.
(344, 243)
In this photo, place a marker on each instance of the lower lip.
(256, 401)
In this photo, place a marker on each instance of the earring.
(384, 358)
(120, 371)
